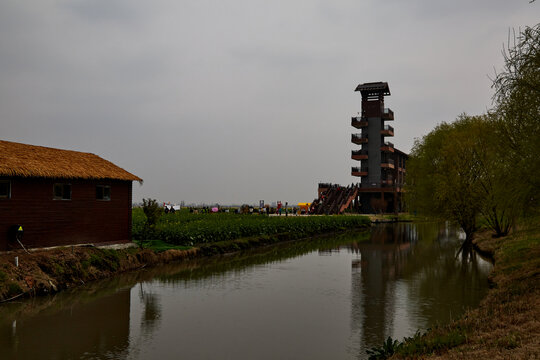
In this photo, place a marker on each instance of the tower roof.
(373, 89)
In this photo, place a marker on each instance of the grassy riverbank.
(506, 325)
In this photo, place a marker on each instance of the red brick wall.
(83, 219)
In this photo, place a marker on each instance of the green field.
(189, 229)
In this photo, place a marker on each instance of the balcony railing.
(378, 184)
(359, 171)
(387, 114)
(387, 130)
(387, 163)
(359, 122)
(359, 154)
(387, 146)
(359, 138)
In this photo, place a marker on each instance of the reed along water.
(328, 297)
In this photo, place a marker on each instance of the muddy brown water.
(326, 298)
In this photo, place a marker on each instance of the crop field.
(188, 229)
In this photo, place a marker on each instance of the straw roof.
(37, 161)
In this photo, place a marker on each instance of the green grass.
(433, 344)
(160, 246)
(437, 341)
(14, 289)
(102, 259)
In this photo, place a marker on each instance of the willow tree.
(498, 188)
(517, 107)
(450, 173)
(486, 166)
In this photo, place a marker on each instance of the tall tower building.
(380, 167)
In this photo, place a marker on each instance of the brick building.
(62, 197)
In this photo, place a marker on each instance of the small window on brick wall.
(5, 189)
(62, 192)
(103, 192)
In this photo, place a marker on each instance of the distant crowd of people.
(244, 209)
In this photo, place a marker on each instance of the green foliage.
(14, 289)
(433, 342)
(3, 276)
(160, 245)
(152, 211)
(187, 229)
(384, 352)
(445, 171)
(517, 100)
(138, 221)
(103, 259)
(430, 343)
(510, 341)
(459, 172)
(486, 165)
(58, 268)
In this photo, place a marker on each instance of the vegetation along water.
(188, 229)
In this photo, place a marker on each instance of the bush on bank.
(188, 229)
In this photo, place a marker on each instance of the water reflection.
(83, 329)
(403, 283)
(329, 297)
(152, 310)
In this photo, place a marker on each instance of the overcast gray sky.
(240, 100)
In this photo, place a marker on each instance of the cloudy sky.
(236, 101)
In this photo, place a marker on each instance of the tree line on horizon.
(484, 170)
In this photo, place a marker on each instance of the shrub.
(14, 289)
(152, 210)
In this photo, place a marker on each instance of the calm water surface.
(327, 298)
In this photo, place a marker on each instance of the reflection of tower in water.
(381, 262)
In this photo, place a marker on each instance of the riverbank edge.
(506, 324)
(48, 271)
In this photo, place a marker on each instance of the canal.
(330, 297)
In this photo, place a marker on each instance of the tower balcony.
(387, 131)
(387, 147)
(387, 163)
(359, 154)
(359, 171)
(359, 122)
(359, 139)
(387, 114)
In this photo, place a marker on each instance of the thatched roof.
(37, 161)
